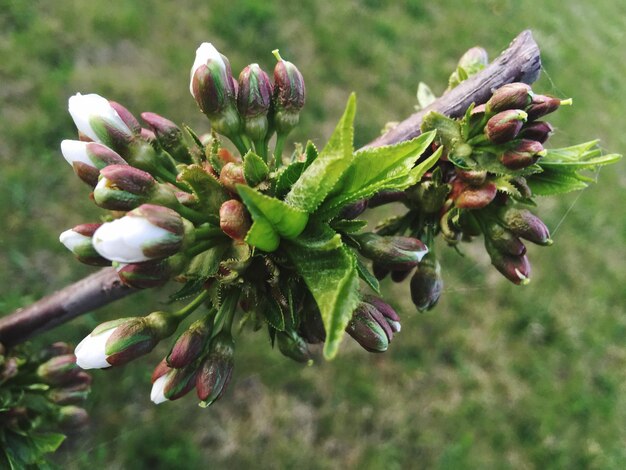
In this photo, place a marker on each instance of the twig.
(520, 62)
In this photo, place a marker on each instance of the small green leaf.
(348, 226)
(504, 185)
(289, 175)
(190, 288)
(274, 314)
(262, 235)
(287, 221)
(255, 170)
(448, 130)
(331, 276)
(425, 96)
(319, 179)
(206, 264)
(367, 276)
(210, 193)
(420, 170)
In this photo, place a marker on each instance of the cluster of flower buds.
(373, 324)
(251, 108)
(197, 360)
(57, 378)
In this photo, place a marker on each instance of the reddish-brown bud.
(504, 126)
(525, 153)
(426, 284)
(232, 175)
(392, 252)
(542, 105)
(189, 345)
(537, 130)
(526, 225)
(234, 219)
(510, 96)
(471, 197)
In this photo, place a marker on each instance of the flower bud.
(504, 240)
(119, 341)
(372, 328)
(472, 197)
(126, 116)
(526, 225)
(59, 370)
(73, 395)
(504, 126)
(386, 197)
(189, 345)
(88, 158)
(123, 188)
(426, 284)
(172, 384)
(289, 95)
(234, 219)
(146, 233)
(521, 185)
(292, 345)
(169, 135)
(79, 241)
(379, 272)
(515, 268)
(542, 105)
(400, 275)
(393, 252)
(97, 119)
(55, 349)
(523, 154)
(312, 327)
(212, 87)
(253, 101)
(428, 196)
(510, 96)
(537, 130)
(150, 274)
(472, 177)
(73, 418)
(232, 175)
(353, 210)
(473, 58)
(216, 370)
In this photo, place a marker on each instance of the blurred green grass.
(495, 377)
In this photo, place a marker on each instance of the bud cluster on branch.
(273, 238)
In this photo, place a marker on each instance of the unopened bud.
(372, 328)
(120, 341)
(172, 384)
(126, 116)
(526, 225)
(123, 188)
(253, 101)
(97, 119)
(353, 210)
(537, 130)
(523, 154)
(504, 126)
(79, 241)
(515, 268)
(504, 240)
(232, 175)
(234, 219)
(312, 326)
(400, 275)
(392, 252)
(73, 395)
(88, 158)
(189, 345)
(472, 177)
(510, 96)
(542, 105)
(146, 233)
(476, 197)
(289, 95)
(426, 284)
(428, 196)
(59, 370)
(73, 418)
(292, 345)
(213, 89)
(55, 349)
(169, 135)
(150, 274)
(216, 370)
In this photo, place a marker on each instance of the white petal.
(157, 394)
(90, 351)
(420, 254)
(83, 108)
(204, 53)
(76, 151)
(73, 240)
(122, 239)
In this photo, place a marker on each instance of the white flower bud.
(74, 241)
(97, 119)
(148, 232)
(76, 151)
(157, 394)
(205, 53)
(90, 352)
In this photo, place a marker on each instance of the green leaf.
(255, 170)
(47, 442)
(420, 170)
(504, 185)
(376, 169)
(206, 264)
(190, 288)
(585, 156)
(348, 226)
(271, 214)
(367, 276)
(425, 95)
(329, 271)
(289, 175)
(210, 193)
(274, 314)
(551, 182)
(448, 130)
(319, 179)
(488, 161)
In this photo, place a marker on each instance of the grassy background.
(496, 376)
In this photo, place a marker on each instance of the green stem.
(261, 149)
(191, 214)
(278, 149)
(241, 146)
(170, 177)
(226, 313)
(208, 231)
(200, 248)
(193, 305)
